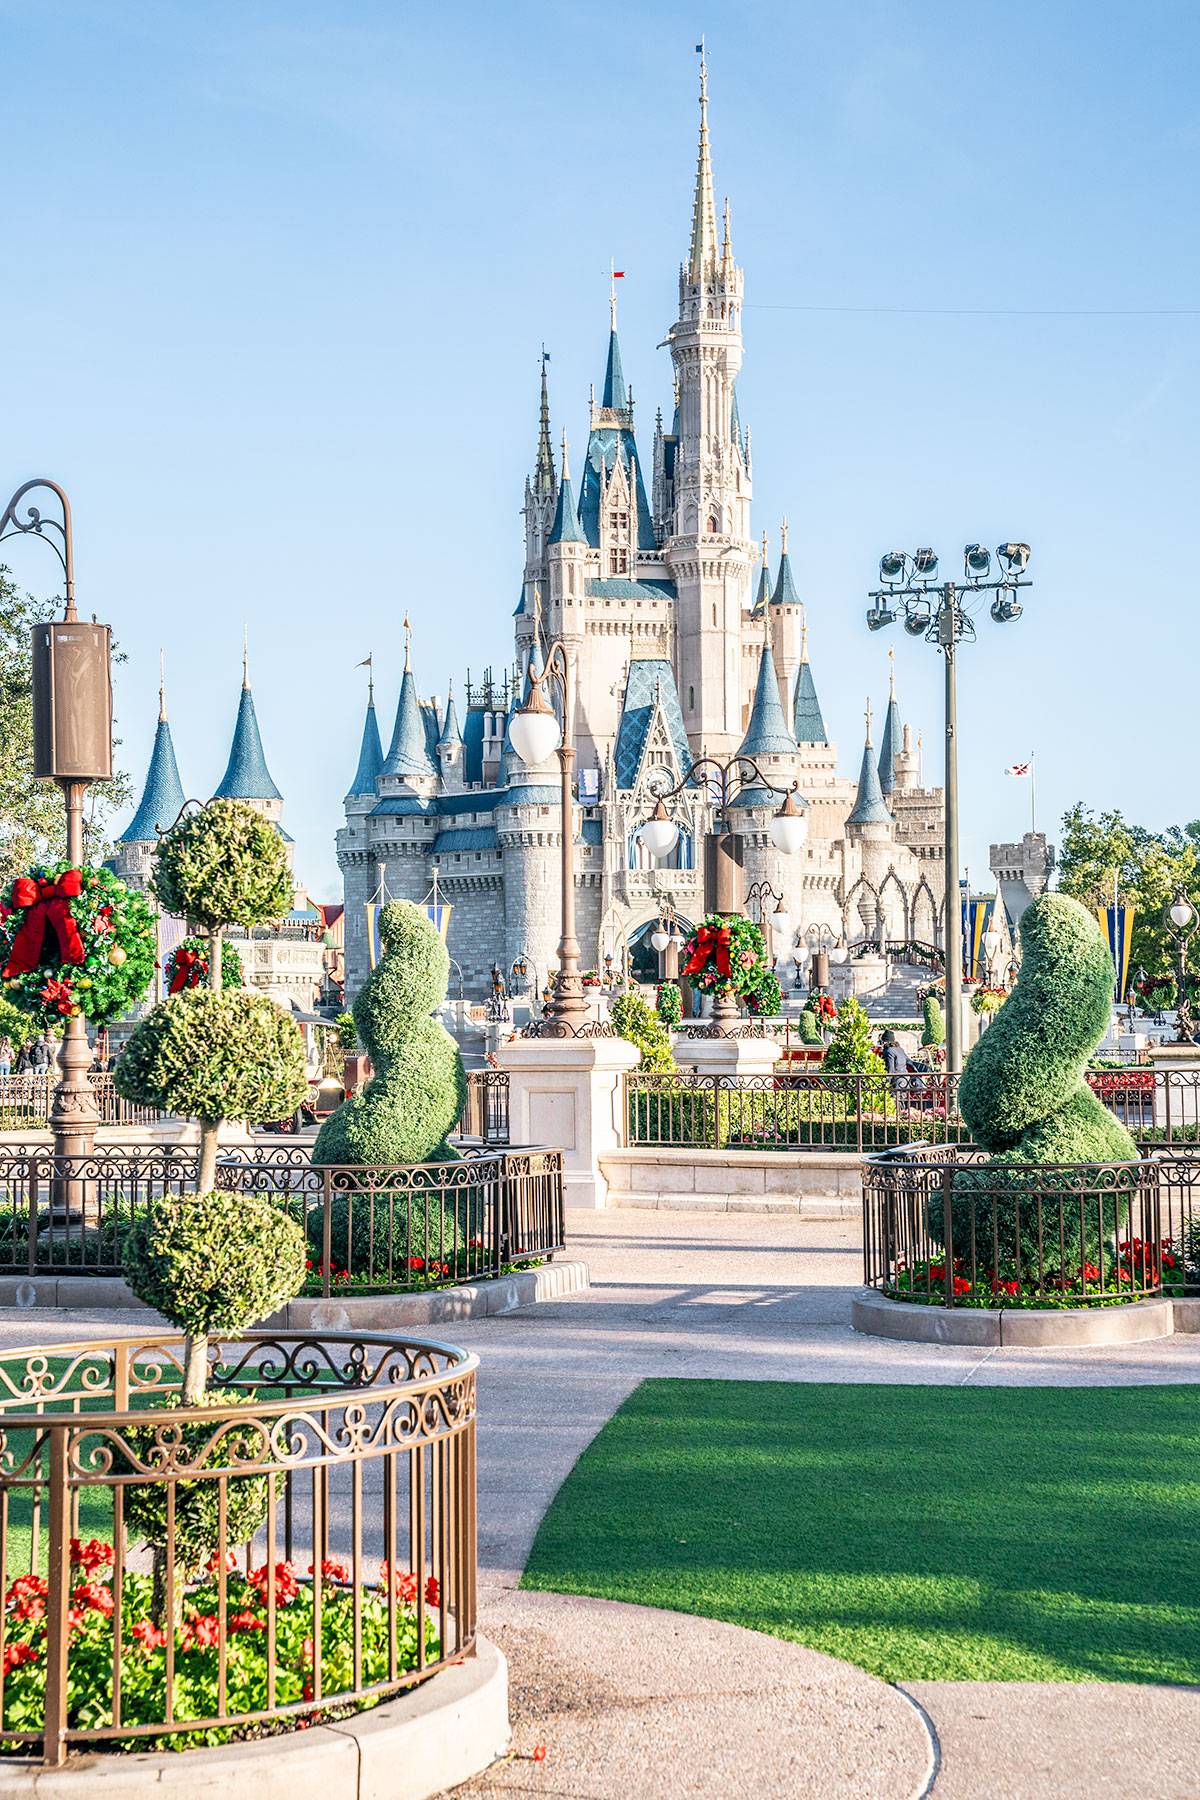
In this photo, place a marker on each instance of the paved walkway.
(634, 1704)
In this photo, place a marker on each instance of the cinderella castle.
(683, 640)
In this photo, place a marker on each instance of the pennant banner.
(1117, 922)
(440, 917)
(974, 924)
(373, 911)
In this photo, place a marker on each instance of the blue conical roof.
(370, 755)
(870, 808)
(763, 597)
(785, 588)
(806, 709)
(566, 528)
(615, 394)
(162, 796)
(246, 774)
(767, 733)
(893, 741)
(450, 732)
(408, 752)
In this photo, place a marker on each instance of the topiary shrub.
(810, 1029)
(211, 1056)
(850, 1050)
(1023, 1093)
(406, 1113)
(935, 1024)
(639, 1024)
(213, 1262)
(223, 865)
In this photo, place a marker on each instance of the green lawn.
(924, 1533)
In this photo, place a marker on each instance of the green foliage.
(347, 1034)
(232, 973)
(767, 997)
(639, 1024)
(215, 1056)
(1148, 866)
(810, 1030)
(935, 1025)
(117, 929)
(850, 1051)
(224, 865)
(33, 826)
(381, 1236)
(197, 1503)
(214, 1262)
(670, 1003)
(1022, 1091)
(744, 946)
(406, 1113)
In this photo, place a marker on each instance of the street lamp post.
(534, 732)
(1179, 918)
(660, 834)
(938, 613)
(72, 745)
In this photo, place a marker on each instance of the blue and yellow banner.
(1117, 923)
(975, 916)
(439, 917)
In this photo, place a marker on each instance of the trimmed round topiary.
(215, 1056)
(214, 1262)
(406, 1113)
(223, 865)
(935, 1024)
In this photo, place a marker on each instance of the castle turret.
(541, 500)
(408, 762)
(370, 754)
(246, 774)
(808, 724)
(450, 748)
(159, 807)
(787, 618)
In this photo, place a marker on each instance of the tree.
(935, 1025)
(32, 818)
(1148, 867)
(851, 1050)
(642, 1026)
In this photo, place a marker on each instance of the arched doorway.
(643, 957)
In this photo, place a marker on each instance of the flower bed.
(1134, 1269)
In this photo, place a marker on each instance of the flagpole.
(1033, 793)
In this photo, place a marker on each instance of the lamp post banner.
(1117, 921)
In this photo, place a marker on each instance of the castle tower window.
(713, 524)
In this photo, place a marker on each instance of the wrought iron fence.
(69, 1214)
(808, 1109)
(790, 1110)
(309, 1537)
(943, 1226)
(26, 1100)
(373, 1229)
(485, 1115)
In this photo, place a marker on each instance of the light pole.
(72, 744)
(938, 613)
(723, 874)
(534, 732)
(1179, 919)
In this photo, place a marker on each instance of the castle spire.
(807, 721)
(763, 598)
(870, 807)
(703, 257)
(785, 588)
(162, 797)
(767, 733)
(566, 528)
(544, 475)
(370, 754)
(246, 774)
(162, 689)
(893, 737)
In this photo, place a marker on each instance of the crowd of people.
(36, 1057)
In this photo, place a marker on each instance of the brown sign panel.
(723, 857)
(72, 701)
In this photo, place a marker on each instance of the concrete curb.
(384, 1312)
(429, 1739)
(1013, 1327)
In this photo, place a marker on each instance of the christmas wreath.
(187, 966)
(767, 997)
(75, 941)
(727, 955)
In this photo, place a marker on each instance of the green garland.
(232, 973)
(749, 965)
(117, 929)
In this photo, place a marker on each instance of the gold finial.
(407, 645)
(764, 549)
(245, 656)
(566, 474)
(162, 688)
(803, 633)
(783, 538)
(869, 746)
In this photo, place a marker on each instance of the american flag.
(1025, 768)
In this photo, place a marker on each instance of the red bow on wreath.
(186, 974)
(711, 940)
(46, 902)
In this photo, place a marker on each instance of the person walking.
(6, 1056)
(39, 1056)
(23, 1062)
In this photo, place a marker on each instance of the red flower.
(286, 1584)
(214, 1560)
(539, 1750)
(148, 1635)
(416, 1262)
(92, 1556)
(246, 1621)
(331, 1571)
(16, 1654)
(201, 1632)
(95, 1596)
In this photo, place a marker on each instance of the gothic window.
(713, 524)
(618, 562)
(618, 522)
(691, 699)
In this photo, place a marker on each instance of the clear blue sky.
(278, 276)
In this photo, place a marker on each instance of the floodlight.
(977, 559)
(925, 563)
(1014, 557)
(1004, 611)
(891, 566)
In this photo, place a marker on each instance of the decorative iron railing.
(485, 1115)
(312, 1533)
(40, 1235)
(26, 1100)
(944, 1226)
(428, 1224)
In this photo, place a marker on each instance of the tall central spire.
(544, 477)
(702, 262)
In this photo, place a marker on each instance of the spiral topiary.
(1024, 1097)
(406, 1113)
(810, 1029)
(935, 1025)
(223, 865)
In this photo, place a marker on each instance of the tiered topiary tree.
(216, 1261)
(935, 1025)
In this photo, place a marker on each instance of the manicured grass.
(924, 1533)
